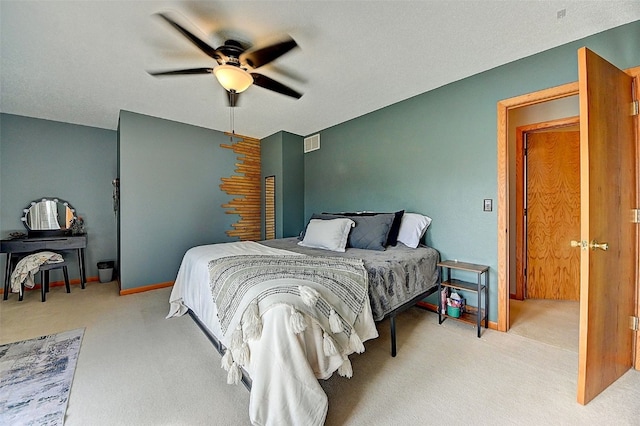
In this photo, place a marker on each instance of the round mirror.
(48, 214)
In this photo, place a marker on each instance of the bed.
(312, 308)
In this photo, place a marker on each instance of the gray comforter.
(396, 275)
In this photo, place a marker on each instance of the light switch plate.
(488, 205)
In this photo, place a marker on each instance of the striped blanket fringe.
(250, 328)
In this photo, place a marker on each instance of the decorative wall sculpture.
(246, 184)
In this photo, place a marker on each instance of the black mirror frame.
(45, 232)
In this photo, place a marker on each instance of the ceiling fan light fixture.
(233, 78)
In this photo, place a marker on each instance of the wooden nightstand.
(481, 288)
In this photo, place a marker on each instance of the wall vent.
(312, 143)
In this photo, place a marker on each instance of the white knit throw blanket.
(28, 266)
(331, 290)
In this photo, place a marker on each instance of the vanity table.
(29, 245)
(50, 224)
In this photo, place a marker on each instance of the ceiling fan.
(236, 64)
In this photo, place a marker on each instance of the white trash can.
(105, 271)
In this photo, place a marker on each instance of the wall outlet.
(488, 205)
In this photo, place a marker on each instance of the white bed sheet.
(284, 367)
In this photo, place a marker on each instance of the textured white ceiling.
(83, 61)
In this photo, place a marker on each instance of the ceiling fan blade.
(259, 57)
(188, 71)
(208, 50)
(232, 98)
(271, 84)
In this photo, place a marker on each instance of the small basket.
(453, 311)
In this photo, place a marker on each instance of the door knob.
(581, 244)
(595, 245)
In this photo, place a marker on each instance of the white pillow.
(412, 228)
(329, 234)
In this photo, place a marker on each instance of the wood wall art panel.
(245, 184)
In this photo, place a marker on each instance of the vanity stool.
(44, 278)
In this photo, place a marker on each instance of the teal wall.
(42, 158)
(170, 195)
(436, 153)
(281, 155)
(293, 160)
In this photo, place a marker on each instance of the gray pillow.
(392, 238)
(370, 232)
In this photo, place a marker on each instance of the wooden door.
(608, 194)
(269, 207)
(553, 215)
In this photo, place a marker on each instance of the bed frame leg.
(245, 379)
(392, 319)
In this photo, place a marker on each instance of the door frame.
(504, 191)
(521, 239)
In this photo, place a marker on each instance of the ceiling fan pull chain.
(232, 120)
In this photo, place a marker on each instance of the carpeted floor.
(138, 368)
(555, 322)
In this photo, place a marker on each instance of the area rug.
(35, 378)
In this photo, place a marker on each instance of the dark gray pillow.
(370, 232)
(392, 238)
